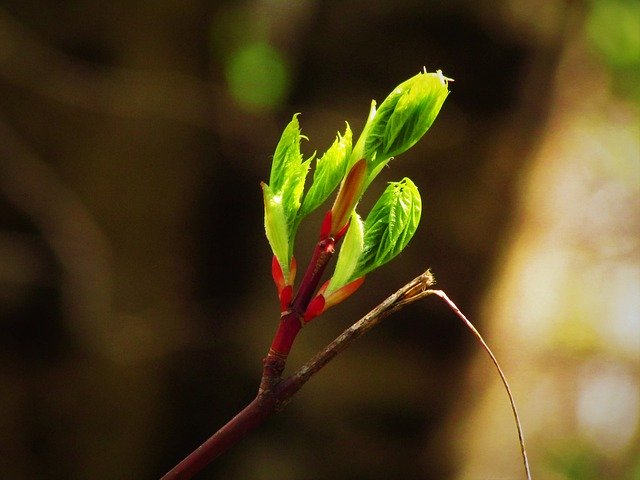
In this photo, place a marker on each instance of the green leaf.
(284, 194)
(275, 225)
(329, 171)
(287, 154)
(350, 252)
(292, 191)
(358, 150)
(404, 117)
(289, 171)
(390, 225)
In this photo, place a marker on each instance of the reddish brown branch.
(239, 426)
(274, 392)
(270, 400)
(291, 320)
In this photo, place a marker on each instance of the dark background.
(136, 301)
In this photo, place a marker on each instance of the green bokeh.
(257, 77)
(613, 27)
(613, 30)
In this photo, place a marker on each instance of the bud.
(320, 304)
(340, 286)
(348, 196)
(283, 284)
(399, 122)
(342, 293)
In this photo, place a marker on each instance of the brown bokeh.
(135, 292)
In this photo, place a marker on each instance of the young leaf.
(275, 225)
(284, 193)
(348, 256)
(287, 154)
(390, 225)
(358, 149)
(329, 171)
(348, 196)
(292, 191)
(288, 172)
(404, 117)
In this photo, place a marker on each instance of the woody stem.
(292, 318)
(268, 402)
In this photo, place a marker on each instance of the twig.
(475, 332)
(268, 402)
(409, 293)
(413, 291)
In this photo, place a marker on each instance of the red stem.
(272, 390)
(249, 418)
(291, 319)
(321, 255)
(245, 421)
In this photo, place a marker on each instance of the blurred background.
(135, 294)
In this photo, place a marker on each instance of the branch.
(409, 293)
(415, 290)
(268, 402)
(272, 399)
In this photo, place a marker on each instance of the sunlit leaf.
(285, 189)
(275, 224)
(349, 255)
(330, 169)
(390, 225)
(404, 117)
